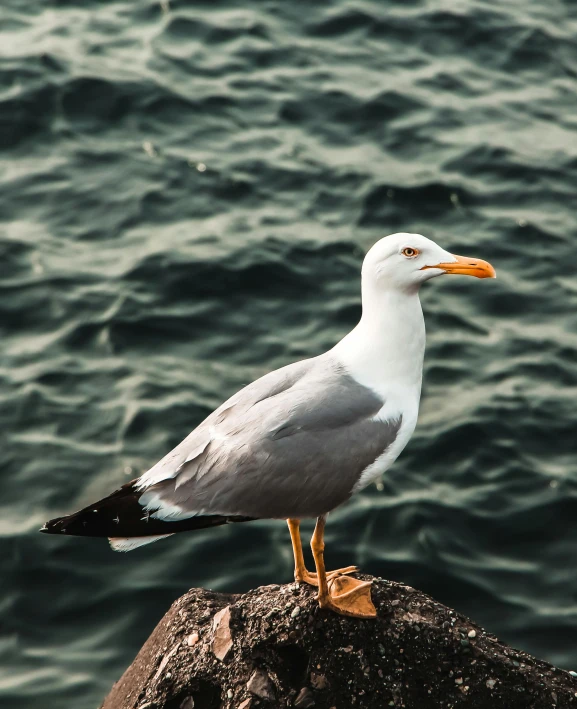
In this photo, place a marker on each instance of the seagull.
(299, 441)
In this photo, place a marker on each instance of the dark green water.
(138, 290)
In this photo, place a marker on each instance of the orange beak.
(467, 267)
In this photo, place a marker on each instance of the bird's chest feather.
(404, 406)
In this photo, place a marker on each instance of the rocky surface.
(274, 647)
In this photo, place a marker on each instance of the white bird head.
(404, 261)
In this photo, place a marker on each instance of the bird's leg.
(301, 573)
(341, 594)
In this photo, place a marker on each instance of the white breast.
(406, 408)
(385, 354)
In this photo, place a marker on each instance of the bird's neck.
(386, 349)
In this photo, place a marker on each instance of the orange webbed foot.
(350, 597)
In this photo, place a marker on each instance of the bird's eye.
(409, 252)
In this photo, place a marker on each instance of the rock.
(319, 681)
(192, 639)
(329, 659)
(164, 662)
(305, 699)
(260, 685)
(222, 642)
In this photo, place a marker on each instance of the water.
(186, 193)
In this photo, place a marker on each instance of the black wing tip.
(54, 526)
(88, 524)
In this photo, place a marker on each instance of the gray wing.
(292, 444)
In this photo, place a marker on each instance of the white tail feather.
(130, 543)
